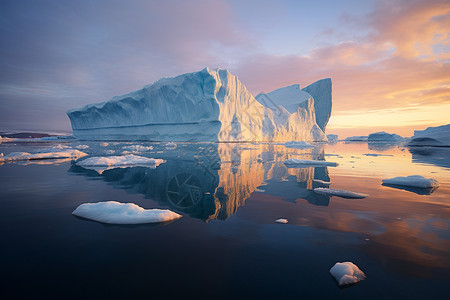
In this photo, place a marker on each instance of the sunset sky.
(388, 60)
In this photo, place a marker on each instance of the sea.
(227, 244)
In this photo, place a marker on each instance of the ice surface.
(347, 273)
(413, 180)
(432, 136)
(51, 153)
(294, 162)
(298, 145)
(101, 164)
(113, 212)
(340, 193)
(210, 105)
(282, 221)
(384, 137)
(291, 98)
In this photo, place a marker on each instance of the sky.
(389, 60)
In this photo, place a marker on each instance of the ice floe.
(340, 193)
(377, 154)
(113, 212)
(413, 180)
(282, 221)
(322, 182)
(294, 162)
(103, 163)
(51, 153)
(137, 148)
(347, 273)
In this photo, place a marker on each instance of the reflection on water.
(383, 146)
(213, 180)
(417, 190)
(438, 156)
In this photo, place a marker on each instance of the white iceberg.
(282, 221)
(292, 98)
(210, 105)
(340, 193)
(50, 153)
(432, 136)
(298, 145)
(294, 162)
(347, 273)
(384, 137)
(413, 180)
(113, 212)
(103, 163)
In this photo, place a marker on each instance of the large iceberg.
(210, 105)
(432, 136)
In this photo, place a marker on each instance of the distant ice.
(282, 221)
(358, 138)
(103, 163)
(104, 144)
(384, 137)
(170, 145)
(50, 153)
(332, 138)
(137, 148)
(82, 147)
(294, 162)
(432, 136)
(298, 145)
(340, 193)
(113, 212)
(347, 273)
(322, 182)
(413, 180)
(377, 154)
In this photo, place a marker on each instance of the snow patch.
(113, 212)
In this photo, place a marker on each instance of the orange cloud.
(402, 63)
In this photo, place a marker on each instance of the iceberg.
(50, 153)
(384, 137)
(340, 193)
(432, 136)
(305, 163)
(209, 105)
(292, 98)
(101, 164)
(413, 180)
(113, 212)
(347, 273)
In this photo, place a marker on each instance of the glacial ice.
(384, 137)
(432, 136)
(210, 105)
(413, 180)
(347, 273)
(50, 153)
(113, 212)
(292, 97)
(304, 163)
(103, 163)
(340, 193)
(282, 221)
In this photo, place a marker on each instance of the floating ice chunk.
(43, 154)
(377, 154)
(82, 147)
(298, 145)
(137, 148)
(113, 212)
(104, 144)
(322, 182)
(347, 273)
(101, 164)
(170, 145)
(432, 136)
(413, 180)
(282, 221)
(294, 162)
(340, 193)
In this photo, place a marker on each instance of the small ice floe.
(113, 212)
(282, 221)
(377, 154)
(340, 193)
(103, 163)
(347, 273)
(82, 147)
(50, 153)
(298, 145)
(110, 152)
(260, 191)
(294, 162)
(170, 145)
(331, 154)
(104, 144)
(413, 180)
(322, 182)
(137, 148)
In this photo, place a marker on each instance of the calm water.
(227, 244)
